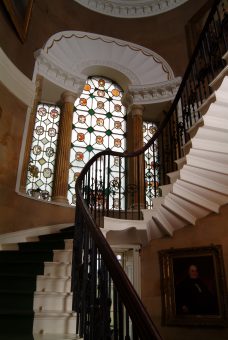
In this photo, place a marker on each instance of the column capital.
(68, 97)
(136, 110)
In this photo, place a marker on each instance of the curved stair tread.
(203, 184)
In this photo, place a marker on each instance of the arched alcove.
(68, 58)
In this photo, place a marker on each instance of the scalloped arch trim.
(70, 57)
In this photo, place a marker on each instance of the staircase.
(35, 280)
(199, 186)
(202, 186)
(35, 289)
(35, 284)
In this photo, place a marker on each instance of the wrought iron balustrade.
(113, 184)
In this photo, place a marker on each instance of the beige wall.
(18, 212)
(212, 229)
(164, 33)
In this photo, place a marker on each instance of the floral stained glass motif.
(98, 123)
(43, 151)
(151, 165)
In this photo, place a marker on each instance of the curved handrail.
(131, 300)
(146, 328)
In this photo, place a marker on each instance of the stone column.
(135, 135)
(135, 142)
(39, 81)
(63, 149)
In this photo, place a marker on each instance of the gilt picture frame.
(20, 13)
(193, 287)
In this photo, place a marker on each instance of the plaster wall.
(18, 212)
(212, 229)
(164, 33)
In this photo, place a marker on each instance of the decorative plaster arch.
(69, 57)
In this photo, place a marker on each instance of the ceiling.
(131, 8)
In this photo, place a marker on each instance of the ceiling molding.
(151, 93)
(131, 8)
(69, 57)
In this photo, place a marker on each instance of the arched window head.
(98, 123)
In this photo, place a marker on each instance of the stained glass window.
(43, 150)
(98, 123)
(151, 165)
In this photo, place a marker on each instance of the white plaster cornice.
(152, 93)
(57, 72)
(131, 8)
(15, 81)
(69, 57)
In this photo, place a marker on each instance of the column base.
(22, 189)
(60, 199)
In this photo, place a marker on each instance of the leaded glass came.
(98, 123)
(43, 151)
(151, 165)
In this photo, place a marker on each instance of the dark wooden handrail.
(139, 316)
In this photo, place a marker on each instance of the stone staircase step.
(203, 108)
(48, 336)
(56, 323)
(69, 244)
(195, 127)
(165, 189)
(218, 110)
(52, 301)
(187, 210)
(173, 176)
(64, 256)
(9, 246)
(57, 269)
(216, 83)
(221, 94)
(201, 196)
(209, 145)
(205, 178)
(163, 226)
(53, 284)
(212, 133)
(203, 159)
(187, 147)
(221, 123)
(180, 162)
(168, 222)
(154, 231)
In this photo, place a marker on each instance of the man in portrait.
(193, 296)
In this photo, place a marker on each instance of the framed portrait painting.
(193, 286)
(20, 14)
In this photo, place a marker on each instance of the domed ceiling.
(131, 8)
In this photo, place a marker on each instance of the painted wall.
(18, 212)
(164, 33)
(212, 229)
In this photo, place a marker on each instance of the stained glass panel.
(98, 123)
(43, 151)
(151, 165)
